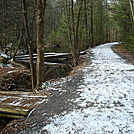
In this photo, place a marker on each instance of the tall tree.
(73, 14)
(27, 35)
(123, 15)
(131, 3)
(92, 22)
(40, 45)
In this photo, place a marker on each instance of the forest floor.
(97, 99)
(14, 77)
(124, 53)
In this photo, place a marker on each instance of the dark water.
(4, 122)
(52, 71)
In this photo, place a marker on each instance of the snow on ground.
(106, 101)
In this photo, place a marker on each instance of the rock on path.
(104, 101)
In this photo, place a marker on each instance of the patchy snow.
(6, 65)
(56, 84)
(106, 102)
(4, 55)
(13, 71)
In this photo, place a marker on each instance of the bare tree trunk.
(131, 8)
(27, 35)
(85, 14)
(69, 23)
(73, 34)
(40, 47)
(92, 25)
(73, 29)
(77, 43)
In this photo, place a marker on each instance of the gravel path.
(98, 100)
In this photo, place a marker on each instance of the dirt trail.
(99, 99)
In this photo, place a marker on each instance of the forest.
(38, 26)
(44, 40)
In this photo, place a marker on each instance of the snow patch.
(106, 98)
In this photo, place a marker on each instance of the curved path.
(98, 100)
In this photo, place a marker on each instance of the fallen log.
(11, 116)
(48, 55)
(22, 94)
(11, 111)
(19, 104)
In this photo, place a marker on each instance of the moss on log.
(20, 112)
(11, 116)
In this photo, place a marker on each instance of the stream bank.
(16, 77)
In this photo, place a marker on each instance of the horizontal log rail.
(48, 55)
